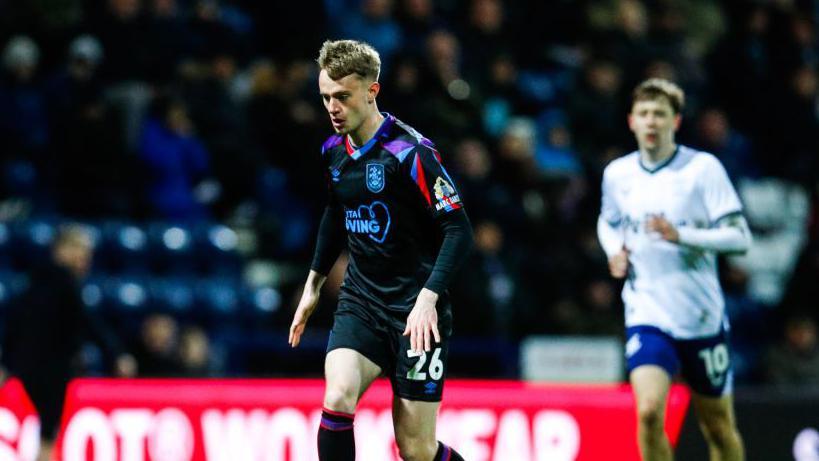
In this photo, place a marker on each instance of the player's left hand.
(422, 322)
(660, 225)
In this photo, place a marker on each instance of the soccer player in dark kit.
(393, 205)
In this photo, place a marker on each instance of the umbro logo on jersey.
(336, 175)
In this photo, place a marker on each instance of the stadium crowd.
(186, 134)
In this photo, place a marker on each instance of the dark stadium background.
(186, 134)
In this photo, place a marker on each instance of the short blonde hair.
(655, 88)
(341, 58)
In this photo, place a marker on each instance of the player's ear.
(372, 92)
(677, 122)
(630, 119)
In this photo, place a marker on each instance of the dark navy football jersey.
(389, 194)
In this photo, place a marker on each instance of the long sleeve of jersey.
(455, 249)
(331, 239)
(730, 236)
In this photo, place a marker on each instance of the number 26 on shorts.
(436, 366)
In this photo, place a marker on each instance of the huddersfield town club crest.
(375, 177)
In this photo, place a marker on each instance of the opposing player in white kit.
(667, 211)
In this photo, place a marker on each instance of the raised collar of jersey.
(382, 132)
(661, 165)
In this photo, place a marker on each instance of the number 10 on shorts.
(436, 366)
(716, 363)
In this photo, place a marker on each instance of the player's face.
(653, 123)
(348, 100)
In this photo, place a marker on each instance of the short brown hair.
(655, 88)
(341, 58)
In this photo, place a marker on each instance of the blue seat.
(173, 295)
(123, 249)
(219, 297)
(126, 295)
(216, 250)
(171, 248)
(261, 301)
(31, 242)
(20, 178)
(12, 286)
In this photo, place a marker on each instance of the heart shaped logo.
(373, 220)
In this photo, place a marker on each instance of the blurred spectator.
(175, 160)
(503, 95)
(492, 291)
(478, 184)
(743, 51)
(715, 135)
(156, 351)
(407, 84)
(450, 108)
(88, 158)
(45, 330)
(373, 23)
(795, 360)
(195, 353)
(123, 30)
(170, 39)
(793, 143)
(219, 119)
(555, 154)
(23, 114)
(597, 111)
(79, 80)
(485, 36)
(601, 306)
(418, 19)
(210, 33)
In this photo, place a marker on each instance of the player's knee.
(340, 398)
(416, 448)
(650, 414)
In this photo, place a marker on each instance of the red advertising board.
(276, 420)
(19, 424)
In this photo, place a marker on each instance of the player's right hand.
(618, 264)
(307, 304)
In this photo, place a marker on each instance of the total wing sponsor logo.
(288, 433)
(445, 194)
(372, 220)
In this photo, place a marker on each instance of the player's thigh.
(652, 361)
(348, 372)
(414, 419)
(715, 414)
(650, 384)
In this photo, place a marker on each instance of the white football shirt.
(669, 286)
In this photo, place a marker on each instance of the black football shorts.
(378, 335)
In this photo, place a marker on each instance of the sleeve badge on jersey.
(445, 193)
(375, 177)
